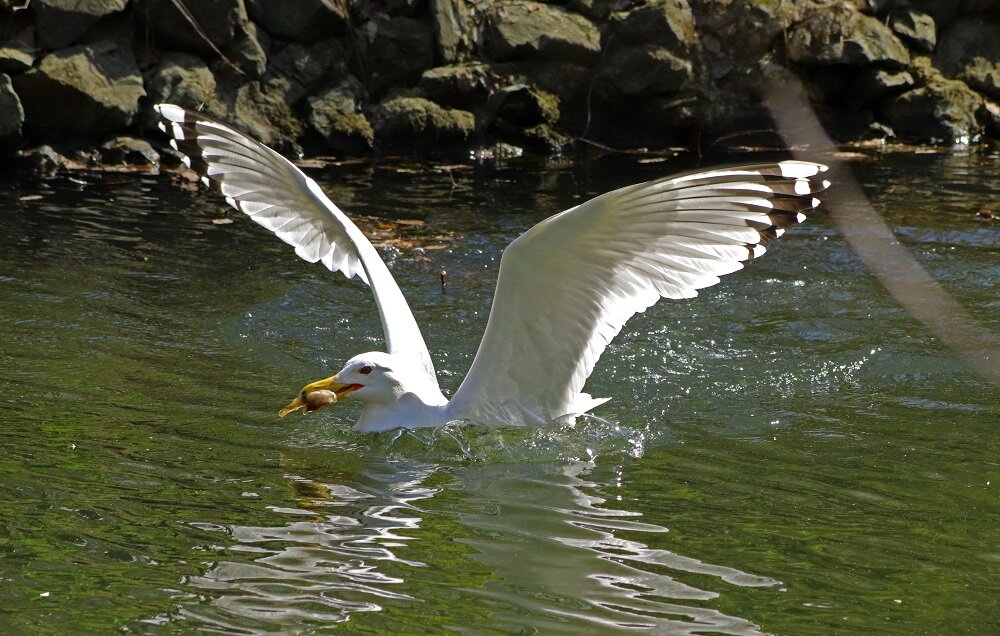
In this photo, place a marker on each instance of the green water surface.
(789, 453)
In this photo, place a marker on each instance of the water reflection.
(532, 539)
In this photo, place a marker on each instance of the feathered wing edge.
(568, 285)
(273, 192)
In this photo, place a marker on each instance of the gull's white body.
(566, 286)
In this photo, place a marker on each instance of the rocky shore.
(78, 78)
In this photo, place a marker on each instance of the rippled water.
(788, 453)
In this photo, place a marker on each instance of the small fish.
(311, 401)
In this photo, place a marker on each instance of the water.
(789, 453)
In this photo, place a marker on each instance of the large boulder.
(970, 50)
(182, 79)
(11, 112)
(336, 115)
(414, 122)
(298, 70)
(646, 70)
(250, 49)
(454, 34)
(303, 21)
(60, 23)
(84, 91)
(522, 30)
(915, 27)
(841, 35)
(212, 31)
(463, 86)
(648, 50)
(942, 110)
(668, 24)
(16, 57)
(398, 50)
(262, 113)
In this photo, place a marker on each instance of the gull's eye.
(365, 370)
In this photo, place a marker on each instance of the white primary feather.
(568, 285)
(273, 192)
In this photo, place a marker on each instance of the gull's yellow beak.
(319, 394)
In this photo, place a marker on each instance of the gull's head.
(373, 378)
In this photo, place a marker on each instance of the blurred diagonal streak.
(872, 239)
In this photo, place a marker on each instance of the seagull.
(566, 286)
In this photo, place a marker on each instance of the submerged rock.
(98, 83)
(129, 150)
(42, 160)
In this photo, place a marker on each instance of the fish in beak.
(319, 394)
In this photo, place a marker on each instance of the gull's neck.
(410, 410)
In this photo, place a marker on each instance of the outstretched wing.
(273, 192)
(568, 285)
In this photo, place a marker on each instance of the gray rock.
(130, 151)
(250, 48)
(16, 57)
(398, 50)
(420, 123)
(915, 27)
(303, 21)
(299, 69)
(647, 70)
(984, 76)
(872, 84)
(600, 10)
(60, 23)
(216, 22)
(969, 49)
(453, 30)
(336, 115)
(11, 112)
(43, 159)
(843, 35)
(668, 24)
(261, 113)
(84, 91)
(523, 30)
(943, 111)
(182, 79)
(463, 86)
